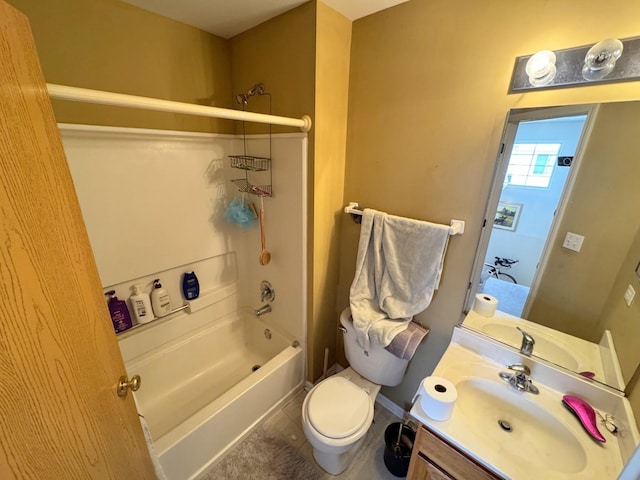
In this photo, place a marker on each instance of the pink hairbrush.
(585, 413)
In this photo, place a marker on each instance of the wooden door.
(60, 417)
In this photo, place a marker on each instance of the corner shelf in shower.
(250, 163)
(246, 187)
(207, 298)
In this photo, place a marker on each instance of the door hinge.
(484, 223)
(501, 149)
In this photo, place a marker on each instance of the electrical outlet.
(573, 241)
(629, 295)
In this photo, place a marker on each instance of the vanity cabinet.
(433, 458)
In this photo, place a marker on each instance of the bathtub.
(202, 391)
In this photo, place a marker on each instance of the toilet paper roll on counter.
(485, 305)
(437, 397)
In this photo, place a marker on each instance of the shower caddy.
(251, 163)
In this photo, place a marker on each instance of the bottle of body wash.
(160, 300)
(119, 312)
(190, 286)
(141, 305)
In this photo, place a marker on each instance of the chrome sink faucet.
(527, 343)
(520, 378)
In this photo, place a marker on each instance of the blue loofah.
(239, 212)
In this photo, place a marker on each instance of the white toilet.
(337, 413)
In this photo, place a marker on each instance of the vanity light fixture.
(541, 68)
(601, 59)
(601, 62)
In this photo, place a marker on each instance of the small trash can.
(398, 444)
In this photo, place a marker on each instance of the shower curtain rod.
(75, 94)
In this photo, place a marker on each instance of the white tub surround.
(153, 203)
(199, 392)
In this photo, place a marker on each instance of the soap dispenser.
(141, 305)
(119, 313)
(160, 300)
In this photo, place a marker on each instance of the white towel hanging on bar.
(398, 268)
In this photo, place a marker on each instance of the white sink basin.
(535, 434)
(545, 442)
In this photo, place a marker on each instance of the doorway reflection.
(534, 184)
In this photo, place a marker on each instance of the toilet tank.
(379, 366)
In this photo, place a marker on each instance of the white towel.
(398, 268)
(405, 344)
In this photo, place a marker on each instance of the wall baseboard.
(397, 410)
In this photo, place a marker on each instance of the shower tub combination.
(207, 379)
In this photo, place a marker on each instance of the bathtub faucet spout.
(266, 308)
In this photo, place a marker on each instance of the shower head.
(257, 89)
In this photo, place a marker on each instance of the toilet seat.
(337, 408)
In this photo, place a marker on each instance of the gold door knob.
(125, 385)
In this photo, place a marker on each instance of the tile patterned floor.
(368, 463)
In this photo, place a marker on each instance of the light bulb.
(601, 59)
(541, 68)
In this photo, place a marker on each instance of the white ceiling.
(227, 18)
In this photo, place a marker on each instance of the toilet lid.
(338, 408)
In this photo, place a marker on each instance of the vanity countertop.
(546, 440)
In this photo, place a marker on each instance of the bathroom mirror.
(574, 284)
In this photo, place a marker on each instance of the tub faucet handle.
(267, 293)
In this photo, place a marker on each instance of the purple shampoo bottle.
(119, 312)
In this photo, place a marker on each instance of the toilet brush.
(396, 447)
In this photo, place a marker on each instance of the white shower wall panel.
(153, 202)
(285, 228)
(149, 198)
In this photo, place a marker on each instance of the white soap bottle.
(141, 305)
(160, 299)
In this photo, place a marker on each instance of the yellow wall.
(112, 46)
(428, 100)
(333, 45)
(624, 321)
(302, 57)
(280, 54)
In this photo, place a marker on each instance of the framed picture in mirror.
(507, 215)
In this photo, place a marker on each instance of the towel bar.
(456, 228)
